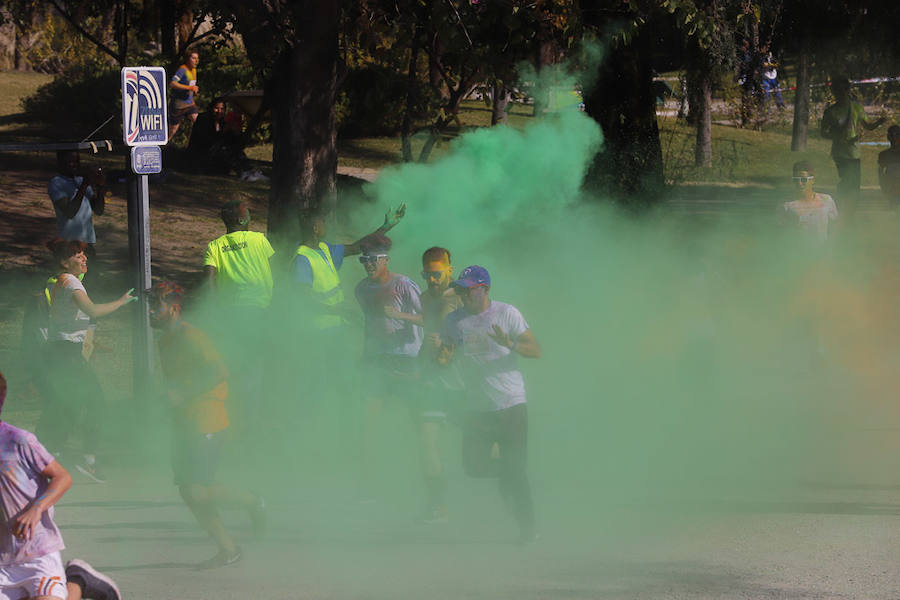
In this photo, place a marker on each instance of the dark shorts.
(437, 403)
(179, 110)
(395, 378)
(196, 457)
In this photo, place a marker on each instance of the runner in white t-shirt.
(484, 338)
(810, 211)
(32, 481)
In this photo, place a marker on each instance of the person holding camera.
(77, 196)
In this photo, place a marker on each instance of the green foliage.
(78, 100)
(88, 92)
(52, 46)
(224, 68)
(371, 101)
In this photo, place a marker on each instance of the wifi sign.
(144, 119)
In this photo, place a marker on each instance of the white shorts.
(42, 576)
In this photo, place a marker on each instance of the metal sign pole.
(144, 129)
(143, 338)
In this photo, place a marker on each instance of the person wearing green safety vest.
(317, 263)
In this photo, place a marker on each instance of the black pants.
(507, 428)
(74, 401)
(848, 186)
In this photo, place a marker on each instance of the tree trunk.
(629, 168)
(19, 63)
(500, 98)
(411, 82)
(702, 95)
(304, 134)
(800, 130)
(541, 98)
(183, 26)
(167, 19)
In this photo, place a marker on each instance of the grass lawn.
(15, 86)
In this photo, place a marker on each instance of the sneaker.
(434, 515)
(259, 517)
(88, 467)
(222, 559)
(94, 584)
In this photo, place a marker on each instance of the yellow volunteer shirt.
(243, 274)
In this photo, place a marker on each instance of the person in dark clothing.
(215, 147)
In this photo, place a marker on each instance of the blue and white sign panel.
(146, 160)
(144, 118)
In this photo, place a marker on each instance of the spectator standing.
(770, 79)
(76, 397)
(842, 123)
(77, 196)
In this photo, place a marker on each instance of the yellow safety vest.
(326, 283)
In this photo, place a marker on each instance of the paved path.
(826, 540)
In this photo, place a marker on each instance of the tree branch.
(191, 36)
(68, 17)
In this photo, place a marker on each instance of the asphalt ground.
(822, 537)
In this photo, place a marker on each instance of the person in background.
(770, 79)
(239, 278)
(809, 210)
(77, 196)
(889, 167)
(843, 123)
(76, 399)
(216, 146)
(184, 91)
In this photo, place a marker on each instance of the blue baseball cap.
(472, 276)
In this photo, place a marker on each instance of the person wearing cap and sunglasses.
(810, 210)
(485, 338)
(390, 344)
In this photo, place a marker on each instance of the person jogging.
(485, 338)
(438, 385)
(197, 382)
(32, 482)
(390, 345)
